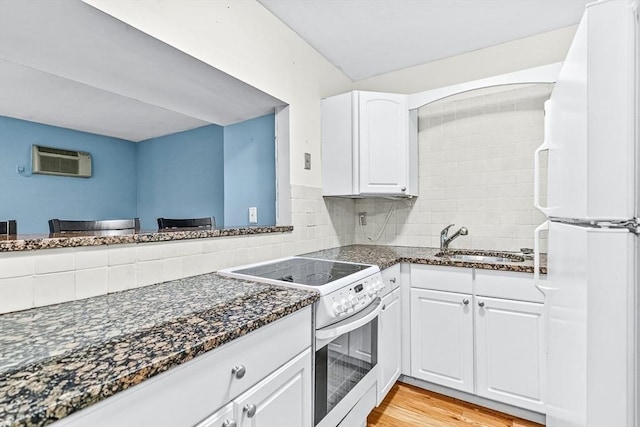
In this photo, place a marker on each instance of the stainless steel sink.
(475, 256)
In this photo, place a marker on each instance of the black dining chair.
(65, 226)
(207, 223)
(9, 227)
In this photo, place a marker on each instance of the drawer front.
(508, 285)
(447, 279)
(188, 393)
(391, 279)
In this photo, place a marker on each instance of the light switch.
(253, 215)
(307, 160)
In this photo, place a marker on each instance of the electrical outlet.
(253, 215)
(307, 160)
(362, 217)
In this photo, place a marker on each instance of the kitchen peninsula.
(62, 358)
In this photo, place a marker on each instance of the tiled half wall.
(37, 278)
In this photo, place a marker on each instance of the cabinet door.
(442, 338)
(389, 345)
(283, 399)
(223, 417)
(384, 129)
(510, 351)
(390, 279)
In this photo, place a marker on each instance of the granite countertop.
(28, 242)
(58, 359)
(386, 256)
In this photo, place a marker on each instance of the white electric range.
(346, 330)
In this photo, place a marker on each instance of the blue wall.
(208, 171)
(249, 172)
(33, 200)
(181, 176)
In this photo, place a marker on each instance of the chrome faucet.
(445, 240)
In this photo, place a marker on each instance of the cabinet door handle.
(239, 371)
(384, 306)
(465, 301)
(392, 280)
(229, 423)
(480, 304)
(250, 410)
(403, 189)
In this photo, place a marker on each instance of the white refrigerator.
(592, 296)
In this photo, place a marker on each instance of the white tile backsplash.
(91, 258)
(91, 282)
(195, 264)
(53, 288)
(54, 260)
(172, 268)
(476, 170)
(121, 254)
(16, 293)
(192, 247)
(148, 273)
(16, 265)
(121, 277)
(155, 251)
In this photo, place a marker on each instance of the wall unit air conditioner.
(56, 161)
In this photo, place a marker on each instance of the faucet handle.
(445, 231)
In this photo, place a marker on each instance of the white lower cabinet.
(389, 345)
(442, 338)
(223, 417)
(475, 340)
(510, 351)
(283, 399)
(266, 373)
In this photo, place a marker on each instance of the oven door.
(345, 365)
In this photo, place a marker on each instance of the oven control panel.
(348, 300)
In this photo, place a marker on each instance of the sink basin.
(478, 256)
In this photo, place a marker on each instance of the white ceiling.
(67, 64)
(365, 38)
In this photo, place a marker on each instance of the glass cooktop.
(304, 271)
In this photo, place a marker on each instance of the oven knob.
(346, 304)
(353, 300)
(337, 308)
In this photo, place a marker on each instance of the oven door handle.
(350, 324)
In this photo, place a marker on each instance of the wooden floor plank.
(409, 406)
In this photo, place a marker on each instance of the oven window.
(341, 364)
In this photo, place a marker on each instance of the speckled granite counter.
(72, 240)
(59, 359)
(386, 256)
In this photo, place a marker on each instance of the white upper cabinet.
(369, 145)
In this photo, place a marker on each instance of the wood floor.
(408, 406)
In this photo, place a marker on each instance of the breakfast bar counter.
(58, 359)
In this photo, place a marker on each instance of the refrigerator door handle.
(536, 178)
(536, 256)
(536, 160)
